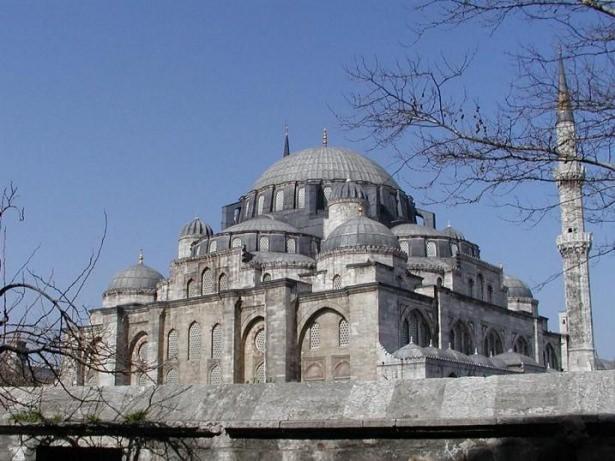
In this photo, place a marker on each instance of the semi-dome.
(324, 162)
(137, 277)
(263, 223)
(347, 190)
(360, 231)
(196, 228)
(415, 230)
(516, 288)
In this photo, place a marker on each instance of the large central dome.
(325, 162)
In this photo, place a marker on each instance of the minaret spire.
(286, 151)
(578, 354)
(325, 137)
(140, 256)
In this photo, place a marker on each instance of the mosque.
(326, 270)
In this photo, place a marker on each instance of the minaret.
(573, 242)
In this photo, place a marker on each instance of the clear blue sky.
(160, 111)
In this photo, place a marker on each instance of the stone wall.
(562, 416)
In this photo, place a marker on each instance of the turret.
(190, 234)
(348, 200)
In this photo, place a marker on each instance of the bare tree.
(471, 153)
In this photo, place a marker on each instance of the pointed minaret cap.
(325, 137)
(286, 151)
(140, 256)
(564, 107)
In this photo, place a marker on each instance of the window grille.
(143, 379)
(259, 373)
(236, 243)
(263, 244)
(301, 197)
(207, 281)
(259, 341)
(216, 341)
(190, 288)
(172, 345)
(213, 246)
(215, 375)
(247, 212)
(223, 282)
(405, 247)
(291, 246)
(194, 342)
(315, 336)
(344, 333)
(260, 205)
(279, 200)
(337, 282)
(431, 249)
(172, 377)
(454, 249)
(327, 192)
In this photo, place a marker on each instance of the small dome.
(451, 232)
(415, 230)
(410, 351)
(347, 190)
(137, 277)
(196, 228)
(360, 231)
(264, 223)
(515, 359)
(516, 288)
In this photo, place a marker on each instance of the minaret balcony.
(574, 240)
(572, 171)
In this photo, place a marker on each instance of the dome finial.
(141, 256)
(325, 138)
(286, 151)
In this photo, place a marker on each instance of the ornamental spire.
(325, 138)
(140, 256)
(286, 151)
(564, 106)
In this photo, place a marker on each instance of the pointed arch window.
(172, 345)
(521, 346)
(344, 333)
(213, 246)
(222, 282)
(279, 200)
(194, 341)
(405, 247)
(337, 282)
(460, 338)
(418, 328)
(215, 375)
(247, 211)
(190, 288)
(216, 341)
(301, 197)
(431, 249)
(492, 344)
(236, 243)
(263, 244)
(260, 204)
(259, 373)
(171, 376)
(315, 336)
(207, 281)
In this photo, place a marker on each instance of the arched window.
(431, 249)
(327, 192)
(314, 247)
(405, 247)
(480, 285)
(405, 332)
(194, 341)
(236, 213)
(521, 346)
(489, 293)
(247, 212)
(301, 197)
(337, 282)
(471, 287)
(171, 376)
(236, 243)
(279, 200)
(291, 245)
(267, 277)
(259, 373)
(216, 341)
(172, 345)
(315, 336)
(139, 359)
(551, 359)
(143, 379)
(190, 288)
(213, 246)
(259, 340)
(222, 282)
(215, 375)
(419, 328)
(492, 345)
(207, 281)
(260, 204)
(263, 244)
(454, 249)
(343, 333)
(460, 338)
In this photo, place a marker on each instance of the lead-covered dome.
(360, 231)
(264, 223)
(348, 190)
(516, 288)
(325, 162)
(137, 277)
(196, 228)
